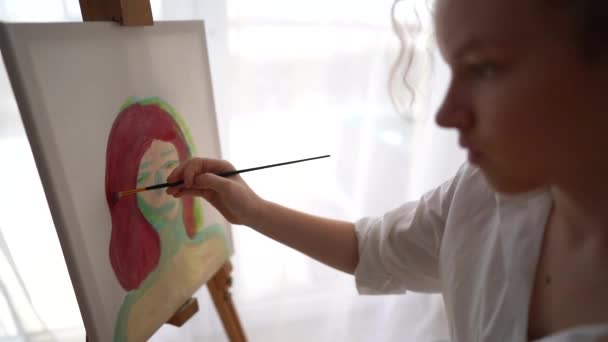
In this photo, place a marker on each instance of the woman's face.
(156, 164)
(527, 106)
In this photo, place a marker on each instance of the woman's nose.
(455, 111)
(461, 119)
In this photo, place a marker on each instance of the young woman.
(517, 240)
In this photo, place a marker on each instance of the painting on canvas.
(156, 240)
(109, 109)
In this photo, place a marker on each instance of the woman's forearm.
(332, 242)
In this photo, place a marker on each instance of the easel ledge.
(139, 13)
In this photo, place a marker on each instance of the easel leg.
(220, 294)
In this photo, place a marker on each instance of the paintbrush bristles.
(129, 192)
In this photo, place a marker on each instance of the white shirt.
(477, 247)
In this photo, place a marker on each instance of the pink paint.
(134, 244)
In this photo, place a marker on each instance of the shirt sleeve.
(581, 333)
(399, 251)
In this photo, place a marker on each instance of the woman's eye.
(142, 177)
(484, 70)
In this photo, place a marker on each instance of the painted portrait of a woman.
(162, 249)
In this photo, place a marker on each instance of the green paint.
(166, 153)
(156, 215)
(198, 213)
(145, 165)
(142, 177)
(170, 164)
(131, 100)
(167, 108)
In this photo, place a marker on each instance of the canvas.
(107, 109)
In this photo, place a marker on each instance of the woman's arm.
(331, 242)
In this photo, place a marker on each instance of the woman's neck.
(583, 206)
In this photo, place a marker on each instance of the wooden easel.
(139, 13)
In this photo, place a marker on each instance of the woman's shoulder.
(468, 182)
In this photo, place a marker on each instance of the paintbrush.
(118, 195)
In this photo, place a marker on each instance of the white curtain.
(292, 79)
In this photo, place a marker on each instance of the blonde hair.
(410, 72)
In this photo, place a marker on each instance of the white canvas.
(74, 84)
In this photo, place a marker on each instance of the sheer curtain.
(292, 79)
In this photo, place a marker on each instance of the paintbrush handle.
(234, 172)
(164, 185)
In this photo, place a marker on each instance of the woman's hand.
(330, 241)
(230, 195)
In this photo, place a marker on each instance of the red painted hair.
(134, 244)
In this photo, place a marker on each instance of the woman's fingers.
(189, 192)
(190, 171)
(177, 173)
(211, 181)
(199, 173)
(173, 190)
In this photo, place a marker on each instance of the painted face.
(526, 105)
(156, 164)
